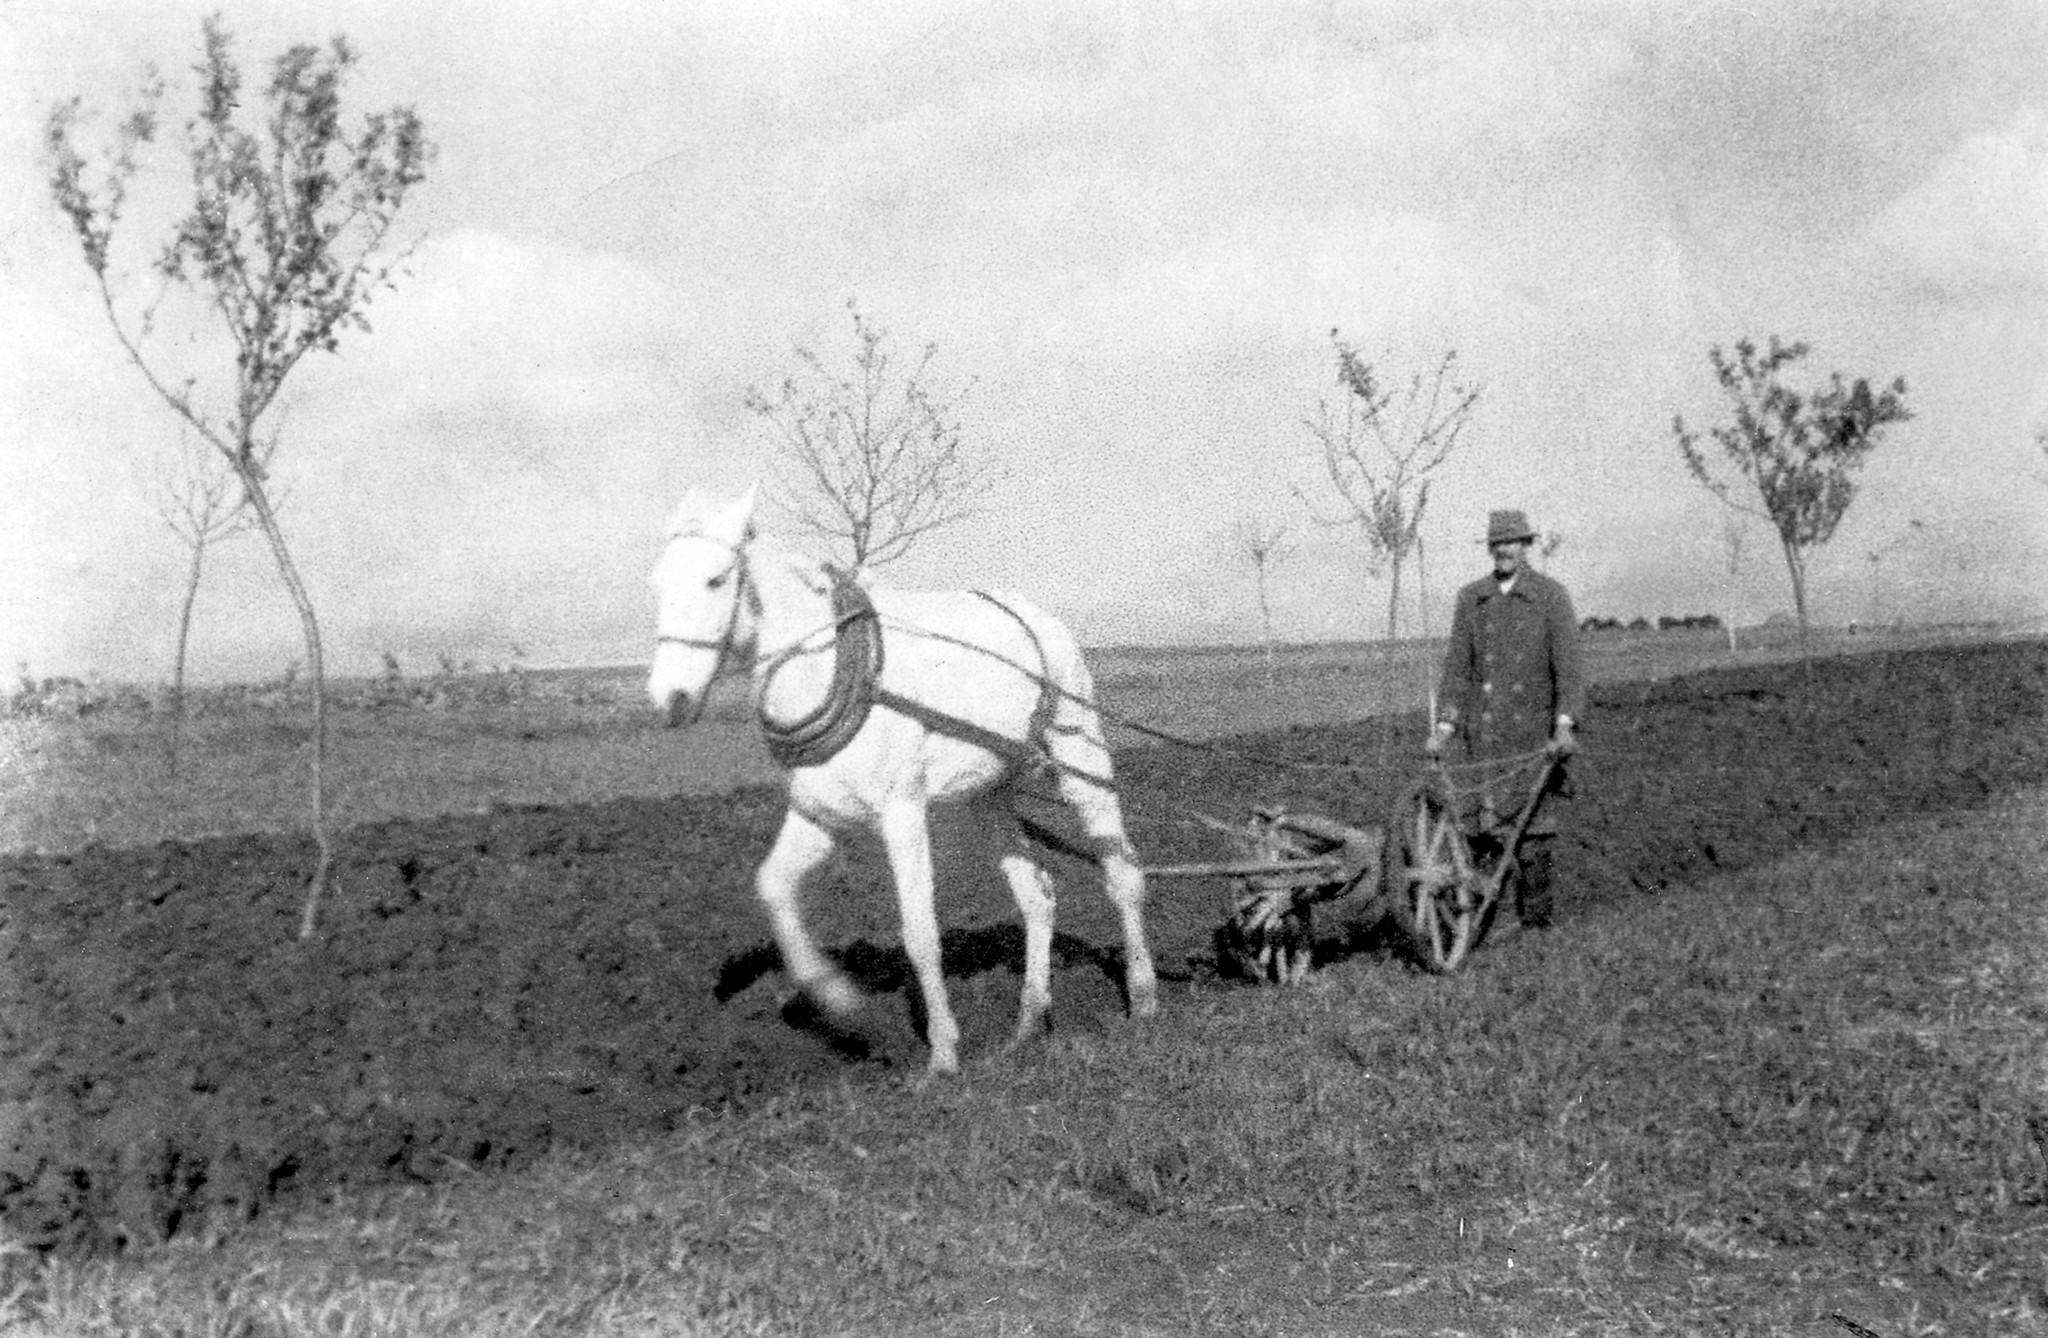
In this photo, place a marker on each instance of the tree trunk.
(1394, 565)
(1266, 634)
(1393, 596)
(1795, 562)
(1392, 660)
(178, 657)
(266, 517)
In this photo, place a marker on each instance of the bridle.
(747, 596)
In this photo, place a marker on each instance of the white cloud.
(1130, 227)
(481, 460)
(482, 318)
(1978, 223)
(1386, 277)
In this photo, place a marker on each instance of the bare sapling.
(1734, 539)
(869, 461)
(1264, 542)
(1380, 444)
(202, 503)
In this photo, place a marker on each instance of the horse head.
(702, 599)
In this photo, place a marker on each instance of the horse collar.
(856, 666)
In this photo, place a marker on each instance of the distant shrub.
(63, 697)
(1665, 623)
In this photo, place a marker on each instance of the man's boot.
(1533, 902)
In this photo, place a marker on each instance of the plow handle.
(1537, 790)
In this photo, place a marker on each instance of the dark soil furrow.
(488, 986)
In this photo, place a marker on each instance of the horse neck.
(793, 627)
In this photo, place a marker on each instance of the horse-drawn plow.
(881, 703)
(1440, 868)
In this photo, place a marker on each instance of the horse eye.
(718, 582)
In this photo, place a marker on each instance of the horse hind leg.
(800, 849)
(1124, 880)
(1031, 885)
(1086, 783)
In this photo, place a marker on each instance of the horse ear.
(736, 523)
(688, 515)
(732, 521)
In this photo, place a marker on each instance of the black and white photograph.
(1069, 667)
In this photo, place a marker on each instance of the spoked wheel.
(1442, 893)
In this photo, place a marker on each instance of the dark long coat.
(1511, 668)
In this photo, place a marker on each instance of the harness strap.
(856, 690)
(1017, 751)
(1041, 714)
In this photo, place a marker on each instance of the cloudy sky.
(1129, 229)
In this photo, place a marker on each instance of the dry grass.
(1734, 1108)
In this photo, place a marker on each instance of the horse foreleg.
(1031, 885)
(800, 849)
(908, 838)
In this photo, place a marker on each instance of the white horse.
(881, 704)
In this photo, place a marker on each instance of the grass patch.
(1739, 1107)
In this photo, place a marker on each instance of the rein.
(855, 690)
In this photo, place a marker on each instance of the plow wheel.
(1443, 891)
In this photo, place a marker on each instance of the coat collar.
(1527, 583)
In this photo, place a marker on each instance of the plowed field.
(487, 986)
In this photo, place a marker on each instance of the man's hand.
(1433, 746)
(1564, 741)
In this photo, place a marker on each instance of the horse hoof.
(835, 994)
(1029, 1030)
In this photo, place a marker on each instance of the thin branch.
(871, 461)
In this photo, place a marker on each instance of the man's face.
(1508, 557)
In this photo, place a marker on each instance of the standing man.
(1511, 686)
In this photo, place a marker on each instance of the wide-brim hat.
(1506, 527)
